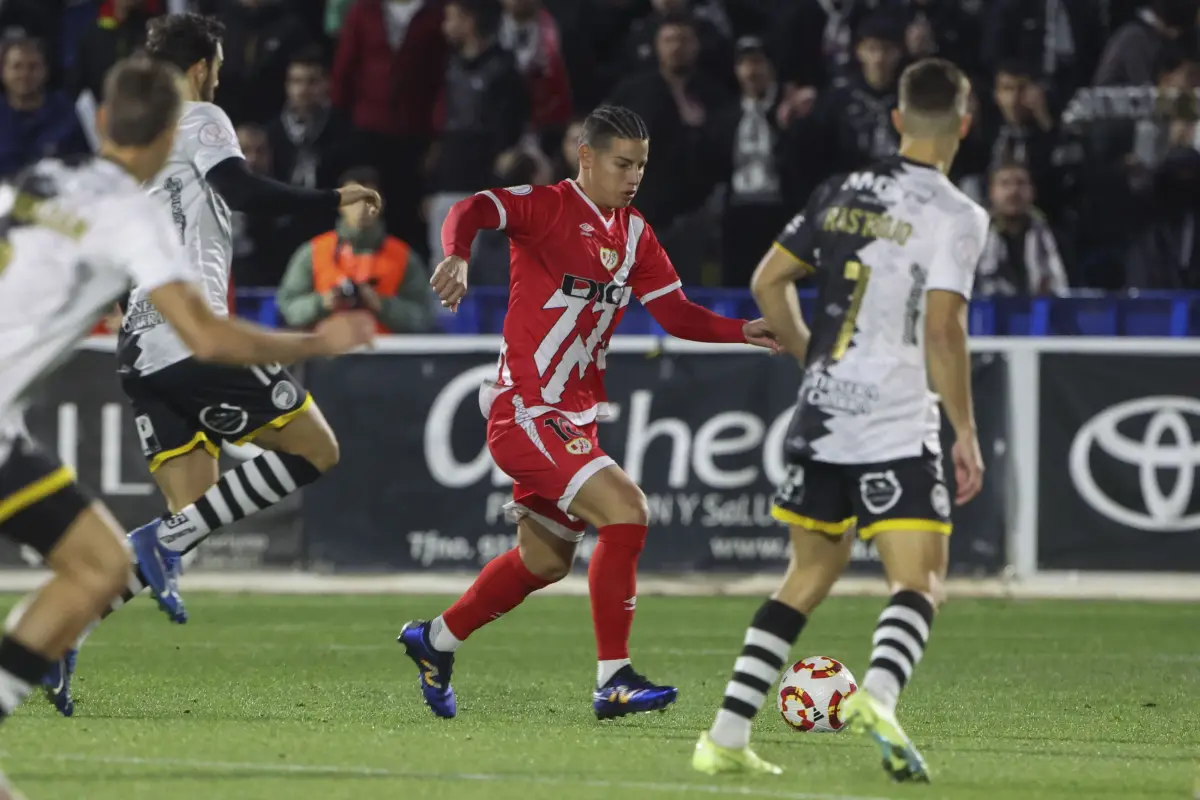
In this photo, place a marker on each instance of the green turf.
(310, 697)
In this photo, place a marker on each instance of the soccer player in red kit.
(579, 253)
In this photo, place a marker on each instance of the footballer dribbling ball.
(811, 694)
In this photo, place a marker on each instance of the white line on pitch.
(466, 777)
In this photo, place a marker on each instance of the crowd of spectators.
(750, 104)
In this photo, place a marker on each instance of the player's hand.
(344, 332)
(758, 334)
(449, 281)
(968, 468)
(353, 193)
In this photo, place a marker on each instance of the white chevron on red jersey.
(573, 270)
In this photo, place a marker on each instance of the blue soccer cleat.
(153, 559)
(629, 693)
(434, 666)
(57, 683)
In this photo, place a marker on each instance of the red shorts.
(549, 460)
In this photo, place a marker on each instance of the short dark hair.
(486, 13)
(1016, 68)
(310, 56)
(933, 96)
(142, 100)
(1006, 163)
(681, 19)
(24, 43)
(612, 122)
(363, 176)
(184, 39)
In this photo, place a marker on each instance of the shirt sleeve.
(140, 241)
(653, 275)
(208, 136)
(799, 237)
(526, 212)
(959, 246)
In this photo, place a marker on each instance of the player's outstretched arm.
(949, 365)
(774, 288)
(231, 341)
(246, 191)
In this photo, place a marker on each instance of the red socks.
(612, 583)
(501, 586)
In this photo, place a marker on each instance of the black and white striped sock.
(256, 484)
(768, 642)
(898, 644)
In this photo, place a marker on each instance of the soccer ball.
(811, 693)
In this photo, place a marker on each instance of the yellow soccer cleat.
(712, 759)
(901, 760)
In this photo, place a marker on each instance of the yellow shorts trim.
(278, 422)
(35, 492)
(831, 528)
(199, 439)
(884, 525)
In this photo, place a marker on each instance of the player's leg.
(813, 503)
(905, 508)
(43, 508)
(544, 553)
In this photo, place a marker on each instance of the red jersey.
(573, 269)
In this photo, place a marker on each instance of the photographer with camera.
(358, 266)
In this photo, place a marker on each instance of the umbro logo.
(586, 229)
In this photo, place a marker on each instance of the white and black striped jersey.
(203, 223)
(74, 236)
(879, 239)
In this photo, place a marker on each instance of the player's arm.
(657, 287)
(522, 213)
(774, 288)
(948, 294)
(232, 341)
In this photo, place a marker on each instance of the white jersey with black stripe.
(74, 236)
(203, 223)
(879, 239)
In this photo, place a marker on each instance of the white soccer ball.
(811, 694)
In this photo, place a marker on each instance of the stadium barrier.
(1092, 449)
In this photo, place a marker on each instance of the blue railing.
(1079, 314)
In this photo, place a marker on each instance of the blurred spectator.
(484, 108)
(950, 29)
(260, 39)
(313, 142)
(34, 122)
(812, 43)
(566, 162)
(382, 46)
(712, 31)
(1021, 256)
(260, 246)
(1060, 39)
(1132, 55)
(358, 265)
(35, 19)
(747, 142)
(676, 101)
(117, 32)
(852, 125)
(531, 35)
(1021, 129)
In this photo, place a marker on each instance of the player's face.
(618, 171)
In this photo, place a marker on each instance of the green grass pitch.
(290, 698)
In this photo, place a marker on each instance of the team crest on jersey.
(524, 188)
(579, 447)
(609, 258)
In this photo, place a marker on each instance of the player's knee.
(100, 564)
(931, 586)
(627, 507)
(547, 567)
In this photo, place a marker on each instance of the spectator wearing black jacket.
(1060, 39)
(747, 149)
(677, 101)
(261, 38)
(1133, 54)
(852, 125)
(484, 109)
(712, 32)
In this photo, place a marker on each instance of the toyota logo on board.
(1167, 458)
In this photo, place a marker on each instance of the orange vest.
(384, 268)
